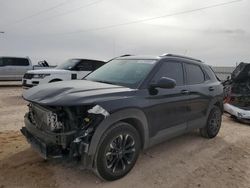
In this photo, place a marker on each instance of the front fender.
(113, 118)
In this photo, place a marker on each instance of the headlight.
(40, 76)
(53, 122)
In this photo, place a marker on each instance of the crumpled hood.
(48, 71)
(74, 93)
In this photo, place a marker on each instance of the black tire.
(118, 151)
(213, 123)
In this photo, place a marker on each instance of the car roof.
(14, 57)
(164, 56)
(81, 59)
(139, 57)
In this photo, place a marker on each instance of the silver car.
(13, 68)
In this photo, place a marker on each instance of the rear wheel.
(118, 151)
(213, 123)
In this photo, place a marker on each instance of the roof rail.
(181, 56)
(125, 55)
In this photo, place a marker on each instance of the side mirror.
(164, 82)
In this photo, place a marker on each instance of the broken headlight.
(53, 122)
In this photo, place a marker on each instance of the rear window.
(194, 74)
(84, 66)
(15, 62)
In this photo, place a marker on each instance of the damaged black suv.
(126, 106)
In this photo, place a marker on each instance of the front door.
(167, 115)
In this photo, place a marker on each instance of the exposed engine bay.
(62, 131)
(237, 93)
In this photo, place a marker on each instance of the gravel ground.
(186, 161)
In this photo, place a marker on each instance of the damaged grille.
(43, 118)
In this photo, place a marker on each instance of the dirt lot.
(187, 161)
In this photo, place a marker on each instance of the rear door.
(199, 95)
(22, 66)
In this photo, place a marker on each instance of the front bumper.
(47, 144)
(239, 113)
(36, 143)
(28, 83)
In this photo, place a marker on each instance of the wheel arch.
(135, 117)
(216, 101)
(55, 80)
(220, 105)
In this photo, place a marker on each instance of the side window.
(98, 64)
(84, 66)
(1, 62)
(194, 74)
(21, 62)
(171, 70)
(9, 61)
(15, 62)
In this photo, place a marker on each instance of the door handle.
(185, 92)
(211, 88)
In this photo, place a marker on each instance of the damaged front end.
(237, 93)
(62, 131)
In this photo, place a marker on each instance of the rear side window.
(15, 62)
(84, 66)
(22, 62)
(171, 70)
(194, 74)
(97, 64)
(1, 62)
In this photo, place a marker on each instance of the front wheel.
(118, 151)
(213, 123)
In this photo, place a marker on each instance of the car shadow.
(28, 169)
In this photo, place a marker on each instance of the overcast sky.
(56, 30)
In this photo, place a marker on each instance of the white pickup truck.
(13, 68)
(70, 70)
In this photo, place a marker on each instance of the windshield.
(68, 65)
(124, 72)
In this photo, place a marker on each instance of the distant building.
(223, 72)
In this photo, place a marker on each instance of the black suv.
(127, 105)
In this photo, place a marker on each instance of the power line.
(57, 15)
(70, 11)
(153, 18)
(38, 13)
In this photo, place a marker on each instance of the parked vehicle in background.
(127, 105)
(73, 69)
(237, 93)
(13, 68)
